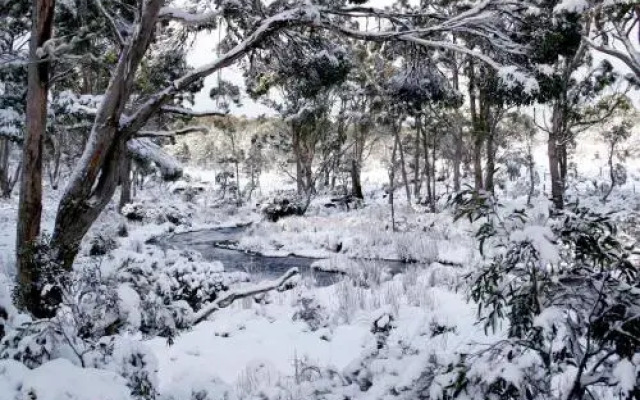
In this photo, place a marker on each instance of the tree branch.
(177, 132)
(281, 284)
(193, 113)
(188, 18)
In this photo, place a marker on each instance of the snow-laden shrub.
(156, 212)
(279, 208)
(160, 292)
(309, 310)
(570, 296)
(131, 360)
(101, 244)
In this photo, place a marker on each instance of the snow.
(59, 380)
(542, 239)
(572, 6)
(626, 374)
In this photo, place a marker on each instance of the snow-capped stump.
(133, 211)
(280, 208)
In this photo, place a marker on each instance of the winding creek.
(217, 244)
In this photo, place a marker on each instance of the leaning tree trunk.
(97, 173)
(30, 207)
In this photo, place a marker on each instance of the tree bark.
(125, 183)
(297, 152)
(478, 129)
(557, 184)
(491, 165)
(392, 183)
(403, 168)
(97, 173)
(416, 160)
(30, 207)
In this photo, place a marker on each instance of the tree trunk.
(392, 185)
(457, 160)
(532, 173)
(491, 166)
(356, 186)
(125, 183)
(427, 165)
(297, 152)
(477, 126)
(361, 132)
(30, 207)
(403, 167)
(96, 175)
(557, 186)
(416, 161)
(612, 175)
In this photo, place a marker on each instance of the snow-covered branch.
(384, 36)
(296, 16)
(177, 132)
(112, 23)
(193, 113)
(144, 149)
(188, 18)
(631, 62)
(281, 284)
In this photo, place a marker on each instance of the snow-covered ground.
(271, 348)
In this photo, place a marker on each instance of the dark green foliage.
(574, 273)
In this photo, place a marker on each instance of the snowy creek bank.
(220, 244)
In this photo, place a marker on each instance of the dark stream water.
(215, 244)
(218, 243)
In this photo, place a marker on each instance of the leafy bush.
(570, 296)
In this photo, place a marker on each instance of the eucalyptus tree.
(306, 70)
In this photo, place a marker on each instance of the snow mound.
(59, 380)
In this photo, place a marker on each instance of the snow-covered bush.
(569, 294)
(156, 213)
(101, 245)
(309, 310)
(131, 360)
(279, 208)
